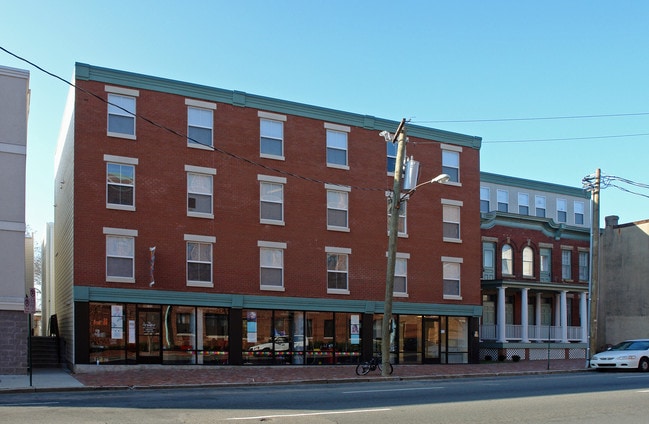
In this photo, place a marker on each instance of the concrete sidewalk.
(92, 377)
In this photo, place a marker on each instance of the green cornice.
(239, 98)
(161, 297)
(547, 226)
(505, 180)
(535, 285)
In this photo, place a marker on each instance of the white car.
(281, 344)
(630, 354)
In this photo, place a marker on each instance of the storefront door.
(149, 346)
(431, 340)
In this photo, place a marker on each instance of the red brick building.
(200, 225)
(535, 269)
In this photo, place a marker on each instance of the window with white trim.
(120, 182)
(402, 228)
(451, 162)
(271, 135)
(199, 260)
(562, 210)
(451, 269)
(545, 264)
(121, 112)
(451, 220)
(528, 262)
(337, 154)
(337, 207)
(337, 269)
(485, 195)
(200, 188)
(488, 260)
(503, 200)
(579, 213)
(507, 260)
(120, 255)
(200, 123)
(539, 204)
(401, 274)
(391, 149)
(566, 264)
(271, 199)
(584, 269)
(523, 204)
(271, 265)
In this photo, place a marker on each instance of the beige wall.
(624, 287)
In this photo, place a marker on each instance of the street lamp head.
(386, 135)
(441, 178)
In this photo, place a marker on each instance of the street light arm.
(441, 178)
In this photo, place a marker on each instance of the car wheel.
(643, 365)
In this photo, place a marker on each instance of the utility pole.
(594, 272)
(393, 228)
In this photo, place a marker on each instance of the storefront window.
(107, 333)
(213, 344)
(179, 343)
(410, 339)
(347, 338)
(458, 340)
(258, 344)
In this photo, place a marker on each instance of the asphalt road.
(611, 398)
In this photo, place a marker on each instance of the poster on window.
(355, 329)
(252, 327)
(116, 322)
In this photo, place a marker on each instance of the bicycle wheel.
(362, 368)
(390, 369)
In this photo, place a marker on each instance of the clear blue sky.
(496, 62)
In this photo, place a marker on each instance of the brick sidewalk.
(175, 376)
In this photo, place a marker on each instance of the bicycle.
(374, 363)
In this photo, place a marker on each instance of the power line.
(537, 118)
(535, 140)
(182, 135)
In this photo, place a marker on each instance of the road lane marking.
(30, 404)
(394, 390)
(309, 414)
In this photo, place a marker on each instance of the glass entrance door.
(431, 340)
(149, 346)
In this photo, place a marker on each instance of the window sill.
(453, 183)
(452, 240)
(272, 288)
(400, 294)
(120, 207)
(271, 222)
(447, 297)
(333, 165)
(337, 291)
(341, 229)
(120, 280)
(206, 284)
(200, 215)
(120, 135)
(199, 146)
(274, 157)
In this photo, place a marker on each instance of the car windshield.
(631, 345)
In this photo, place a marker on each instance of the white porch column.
(564, 317)
(583, 316)
(557, 315)
(525, 338)
(537, 318)
(502, 328)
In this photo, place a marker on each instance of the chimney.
(612, 220)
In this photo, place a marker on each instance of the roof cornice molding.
(547, 226)
(506, 180)
(239, 98)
